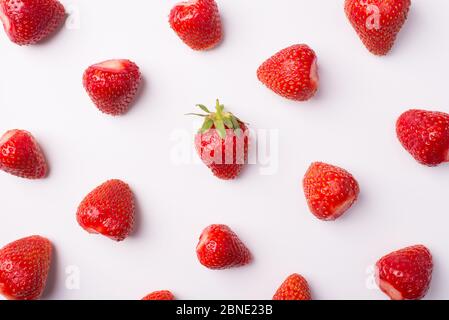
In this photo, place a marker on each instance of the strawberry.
(20, 155)
(197, 23)
(24, 266)
(160, 295)
(330, 191)
(112, 85)
(220, 248)
(222, 142)
(108, 210)
(425, 135)
(30, 21)
(291, 73)
(294, 288)
(405, 274)
(377, 22)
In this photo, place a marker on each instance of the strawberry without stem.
(112, 85)
(291, 73)
(295, 287)
(377, 22)
(30, 21)
(405, 274)
(330, 191)
(220, 248)
(222, 142)
(425, 135)
(20, 155)
(24, 266)
(197, 23)
(108, 210)
(160, 295)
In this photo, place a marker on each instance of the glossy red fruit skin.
(21, 156)
(113, 90)
(329, 190)
(160, 295)
(295, 287)
(24, 267)
(224, 157)
(408, 271)
(27, 22)
(197, 23)
(377, 34)
(108, 210)
(291, 73)
(220, 248)
(425, 135)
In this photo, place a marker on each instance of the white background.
(350, 123)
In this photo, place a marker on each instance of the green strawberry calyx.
(221, 120)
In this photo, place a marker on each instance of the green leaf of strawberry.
(220, 120)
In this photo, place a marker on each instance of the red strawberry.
(220, 248)
(112, 85)
(330, 191)
(294, 288)
(405, 274)
(197, 23)
(20, 155)
(377, 22)
(160, 295)
(425, 134)
(30, 21)
(108, 210)
(291, 73)
(222, 143)
(24, 266)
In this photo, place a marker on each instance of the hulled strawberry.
(108, 210)
(220, 248)
(30, 21)
(405, 274)
(295, 287)
(330, 191)
(160, 295)
(222, 143)
(197, 23)
(377, 22)
(291, 73)
(24, 266)
(20, 155)
(425, 135)
(112, 85)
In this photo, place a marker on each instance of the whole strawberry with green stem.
(222, 142)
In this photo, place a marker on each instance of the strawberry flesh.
(405, 274)
(425, 135)
(197, 23)
(20, 155)
(27, 22)
(329, 190)
(295, 287)
(377, 22)
(108, 210)
(220, 248)
(291, 73)
(112, 85)
(24, 267)
(160, 295)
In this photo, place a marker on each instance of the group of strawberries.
(222, 144)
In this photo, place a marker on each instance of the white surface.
(350, 123)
